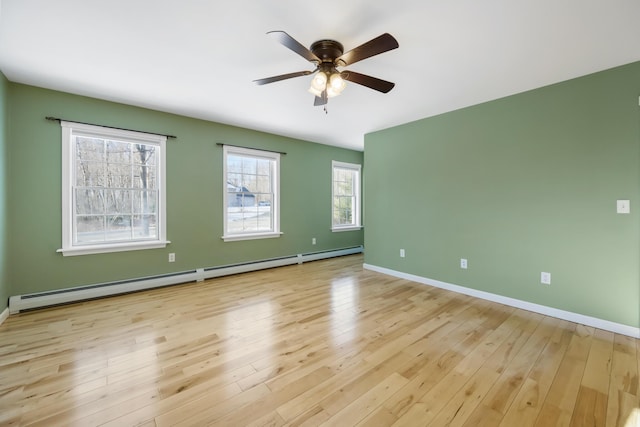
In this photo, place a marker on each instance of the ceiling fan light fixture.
(319, 81)
(315, 91)
(336, 83)
(331, 92)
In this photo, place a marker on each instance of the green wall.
(4, 136)
(194, 194)
(518, 186)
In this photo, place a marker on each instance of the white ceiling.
(198, 57)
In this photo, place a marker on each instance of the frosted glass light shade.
(319, 81)
(336, 85)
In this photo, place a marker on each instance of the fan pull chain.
(325, 109)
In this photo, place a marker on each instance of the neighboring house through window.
(251, 194)
(113, 190)
(345, 196)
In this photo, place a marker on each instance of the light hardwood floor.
(323, 343)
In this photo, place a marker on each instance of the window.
(251, 194)
(346, 196)
(113, 190)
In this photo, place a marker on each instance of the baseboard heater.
(25, 302)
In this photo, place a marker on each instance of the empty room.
(278, 213)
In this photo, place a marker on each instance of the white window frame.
(275, 205)
(69, 130)
(356, 225)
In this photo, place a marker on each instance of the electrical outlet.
(401, 253)
(463, 263)
(172, 257)
(313, 241)
(623, 207)
(545, 278)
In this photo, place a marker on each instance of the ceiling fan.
(327, 56)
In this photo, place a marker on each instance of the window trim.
(68, 163)
(358, 196)
(275, 206)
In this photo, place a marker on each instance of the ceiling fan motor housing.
(327, 50)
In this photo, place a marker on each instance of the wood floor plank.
(379, 417)
(322, 343)
(591, 404)
(438, 362)
(597, 371)
(273, 400)
(590, 408)
(367, 403)
(464, 367)
(208, 406)
(558, 408)
(623, 400)
(214, 388)
(508, 385)
(311, 417)
(528, 403)
(464, 402)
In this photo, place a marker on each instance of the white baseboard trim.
(4, 315)
(512, 302)
(20, 303)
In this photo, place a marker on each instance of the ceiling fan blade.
(321, 100)
(282, 77)
(287, 41)
(368, 81)
(380, 44)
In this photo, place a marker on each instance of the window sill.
(350, 228)
(238, 237)
(116, 247)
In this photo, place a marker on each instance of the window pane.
(144, 154)
(234, 164)
(234, 220)
(264, 167)
(263, 184)
(345, 202)
(342, 217)
(338, 189)
(336, 202)
(144, 176)
(346, 216)
(246, 199)
(89, 229)
(265, 219)
(234, 181)
(145, 202)
(118, 176)
(89, 174)
(118, 201)
(118, 227)
(232, 200)
(249, 165)
(144, 226)
(249, 183)
(344, 183)
(250, 220)
(89, 201)
(90, 149)
(264, 200)
(118, 152)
